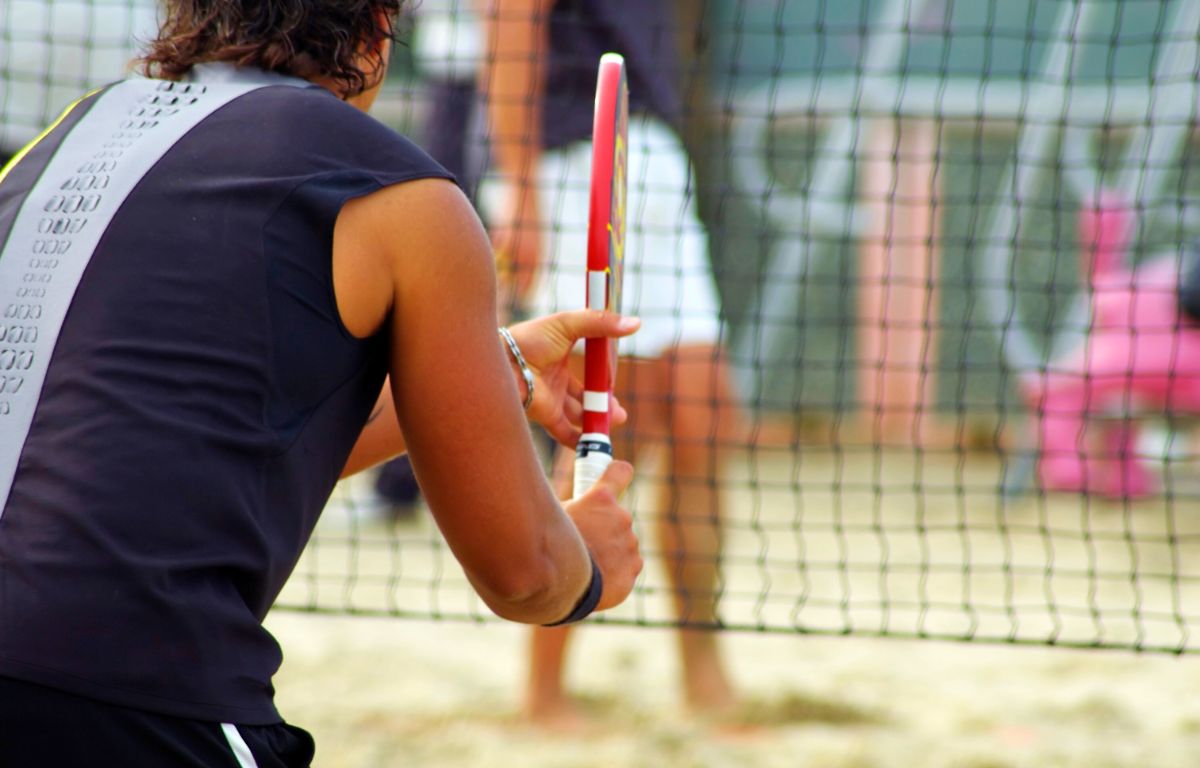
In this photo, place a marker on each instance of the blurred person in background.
(448, 52)
(539, 77)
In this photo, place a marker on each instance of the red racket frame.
(606, 227)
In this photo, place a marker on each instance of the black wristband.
(589, 601)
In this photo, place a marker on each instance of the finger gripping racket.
(605, 257)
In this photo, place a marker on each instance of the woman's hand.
(517, 241)
(546, 343)
(607, 528)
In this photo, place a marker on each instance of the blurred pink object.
(1140, 356)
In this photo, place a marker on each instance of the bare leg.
(701, 417)
(686, 399)
(639, 386)
(546, 700)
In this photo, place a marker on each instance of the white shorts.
(668, 279)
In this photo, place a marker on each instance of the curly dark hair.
(303, 38)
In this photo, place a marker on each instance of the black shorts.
(42, 726)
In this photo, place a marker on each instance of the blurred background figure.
(51, 51)
(1140, 357)
(540, 79)
(447, 50)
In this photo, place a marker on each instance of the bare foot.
(709, 693)
(706, 686)
(557, 714)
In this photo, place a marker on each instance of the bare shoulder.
(398, 239)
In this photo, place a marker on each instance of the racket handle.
(593, 454)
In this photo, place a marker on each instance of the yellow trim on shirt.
(29, 147)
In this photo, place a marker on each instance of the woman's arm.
(459, 408)
(517, 40)
(546, 344)
(380, 439)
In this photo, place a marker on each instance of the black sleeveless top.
(202, 395)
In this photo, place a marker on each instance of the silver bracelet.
(525, 372)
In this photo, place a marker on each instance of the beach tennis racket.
(605, 257)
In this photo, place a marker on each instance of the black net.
(951, 392)
(53, 51)
(938, 230)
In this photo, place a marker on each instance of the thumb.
(594, 323)
(616, 478)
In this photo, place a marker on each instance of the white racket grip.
(593, 454)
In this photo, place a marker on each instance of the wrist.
(522, 367)
(590, 599)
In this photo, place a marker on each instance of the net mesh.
(951, 241)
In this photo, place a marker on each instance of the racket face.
(606, 225)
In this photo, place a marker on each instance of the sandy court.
(823, 540)
(389, 692)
